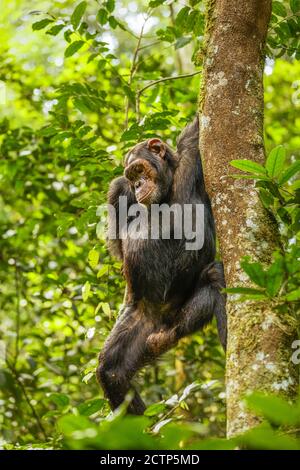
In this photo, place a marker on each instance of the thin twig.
(156, 82)
(165, 416)
(176, 77)
(133, 69)
(177, 51)
(18, 314)
(154, 43)
(27, 398)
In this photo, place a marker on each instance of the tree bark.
(231, 109)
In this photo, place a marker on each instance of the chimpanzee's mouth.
(138, 185)
(142, 197)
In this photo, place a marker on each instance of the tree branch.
(133, 69)
(156, 82)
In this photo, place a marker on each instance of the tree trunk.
(231, 108)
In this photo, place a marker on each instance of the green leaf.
(274, 409)
(132, 133)
(106, 309)
(263, 437)
(59, 399)
(65, 223)
(266, 197)
(275, 276)
(295, 5)
(86, 290)
(70, 423)
(48, 131)
(155, 409)
(67, 35)
(102, 16)
(244, 290)
(41, 24)
(4, 126)
(275, 161)
(156, 3)
(93, 258)
(293, 295)
(90, 407)
(113, 23)
(182, 17)
(279, 9)
(55, 29)
(284, 31)
(73, 48)
(249, 166)
(192, 19)
(289, 173)
(168, 34)
(255, 272)
(199, 24)
(88, 377)
(110, 5)
(213, 444)
(181, 42)
(78, 14)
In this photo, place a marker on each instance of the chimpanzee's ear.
(157, 146)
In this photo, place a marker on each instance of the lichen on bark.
(231, 115)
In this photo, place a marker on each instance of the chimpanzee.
(171, 292)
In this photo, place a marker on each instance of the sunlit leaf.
(86, 290)
(41, 24)
(274, 409)
(78, 14)
(102, 16)
(88, 377)
(181, 42)
(278, 8)
(275, 161)
(249, 166)
(256, 272)
(295, 5)
(73, 48)
(289, 172)
(93, 258)
(91, 407)
(155, 409)
(60, 399)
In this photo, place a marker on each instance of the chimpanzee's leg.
(199, 309)
(124, 352)
(205, 302)
(135, 340)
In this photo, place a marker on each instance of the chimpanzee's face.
(148, 171)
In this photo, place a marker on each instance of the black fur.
(171, 292)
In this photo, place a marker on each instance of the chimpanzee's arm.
(188, 175)
(118, 187)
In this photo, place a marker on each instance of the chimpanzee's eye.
(137, 184)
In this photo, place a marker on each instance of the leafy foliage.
(82, 85)
(284, 34)
(279, 192)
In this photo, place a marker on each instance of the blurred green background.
(70, 88)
